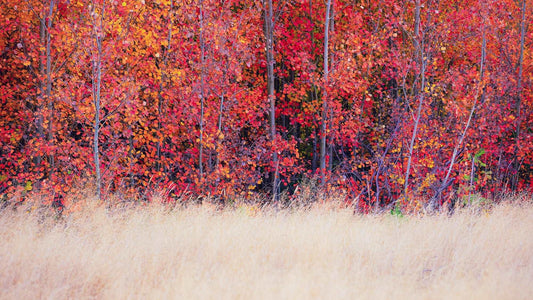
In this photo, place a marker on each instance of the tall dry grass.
(202, 253)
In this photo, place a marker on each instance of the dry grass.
(201, 253)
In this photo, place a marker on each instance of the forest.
(391, 103)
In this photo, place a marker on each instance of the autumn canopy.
(386, 102)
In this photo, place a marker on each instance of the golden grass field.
(242, 253)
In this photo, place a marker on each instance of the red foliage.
(182, 99)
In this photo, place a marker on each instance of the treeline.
(412, 102)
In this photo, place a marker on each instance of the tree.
(386, 101)
(269, 41)
(324, 121)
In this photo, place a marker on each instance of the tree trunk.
(519, 93)
(422, 63)
(269, 37)
(97, 119)
(433, 202)
(39, 108)
(331, 55)
(49, 84)
(97, 72)
(323, 133)
(202, 83)
(219, 129)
